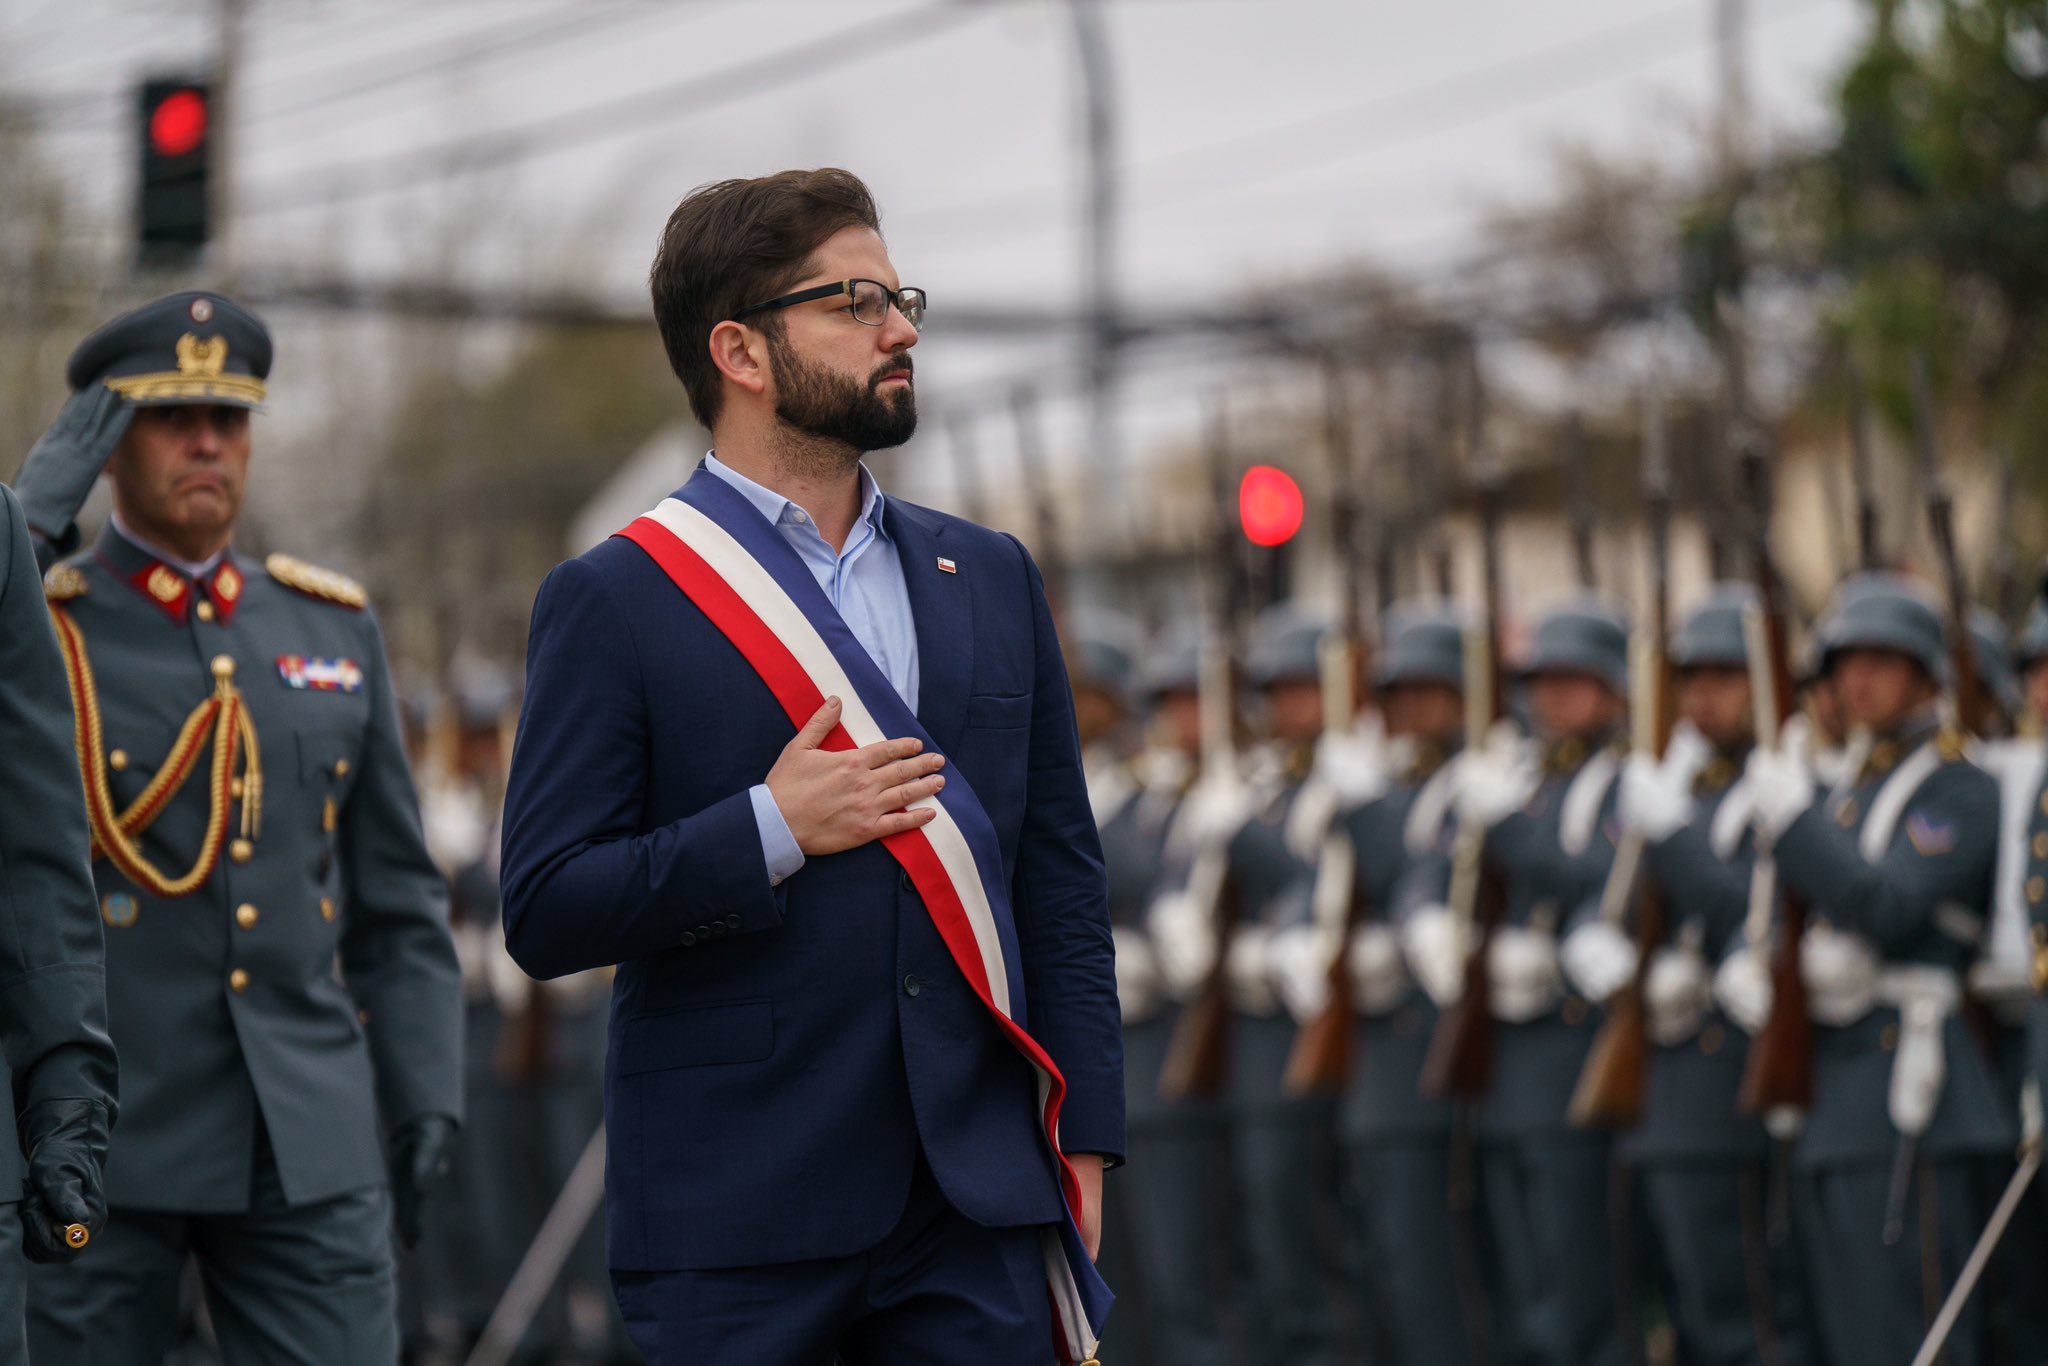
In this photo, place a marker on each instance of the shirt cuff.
(778, 847)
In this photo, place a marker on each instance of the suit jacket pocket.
(735, 1031)
(993, 711)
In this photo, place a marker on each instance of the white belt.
(1677, 993)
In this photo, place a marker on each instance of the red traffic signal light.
(178, 123)
(1270, 505)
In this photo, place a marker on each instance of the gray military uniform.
(1915, 895)
(1418, 1260)
(53, 1008)
(306, 989)
(1702, 1168)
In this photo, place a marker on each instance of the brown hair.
(741, 242)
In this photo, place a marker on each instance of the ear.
(741, 355)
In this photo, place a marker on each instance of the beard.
(835, 408)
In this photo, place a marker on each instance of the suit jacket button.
(716, 928)
(906, 883)
(689, 939)
(733, 921)
(911, 986)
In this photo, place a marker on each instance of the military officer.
(53, 1012)
(1895, 866)
(280, 973)
(1703, 1169)
(1549, 822)
(1397, 1143)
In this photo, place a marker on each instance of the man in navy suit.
(823, 1141)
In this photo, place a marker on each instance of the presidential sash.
(752, 585)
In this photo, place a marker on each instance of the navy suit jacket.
(779, 1055)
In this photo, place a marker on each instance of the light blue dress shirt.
(865, 583)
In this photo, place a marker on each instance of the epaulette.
(1952, 746)
(65, 582)
(316, 582)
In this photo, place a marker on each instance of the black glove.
(65, 460)
(422, 1151)
(66, 1143)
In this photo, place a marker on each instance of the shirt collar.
(778, 509)
(191, 569)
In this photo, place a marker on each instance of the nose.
(897, 333)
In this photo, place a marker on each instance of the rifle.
(1868, 554)
(1611, 1087)
(1779, 1073)
(1459, 1064)
(1031, 468)
(1197, 1059)
(1974, 709)
(1321, 1059)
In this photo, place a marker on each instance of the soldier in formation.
(1510, 1224)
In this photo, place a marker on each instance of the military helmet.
(1174, 662)
(1424, 642)
(192, 347)
(1102, 652)
(1712, 634)
(1584, 636)
(1880, 611)
(2030, 647)
(1991, 648)
(1287, 646)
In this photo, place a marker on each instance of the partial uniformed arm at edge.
(397, 955)
(1892, 901)
(584, 886)
(1061, 898)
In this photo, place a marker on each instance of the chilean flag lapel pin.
(946, 566)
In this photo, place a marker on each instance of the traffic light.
(172, 200)
(1269, 505)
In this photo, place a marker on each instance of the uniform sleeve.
(397, 955)
(1942, 853)
(1061, 898)
(585, 885)
(1697, 882)
(53, 1008)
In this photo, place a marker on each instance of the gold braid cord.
(115, 836)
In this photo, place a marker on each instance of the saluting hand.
(834, 800)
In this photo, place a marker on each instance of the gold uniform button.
(341, 768)
(1888, 1040)
(2044, 803)
(246, 916)
(204, 611)
(2037, 888)
(223, 667)
(362, 1017)
(2041, 845)
(117, 759)
(241, 851)
(327, 908)
(1711, 1039)
(238, 980)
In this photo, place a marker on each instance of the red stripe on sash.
(800, 698)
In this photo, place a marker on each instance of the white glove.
(1299, 959)
(1521, 966)
(1676, 994)
(1214, 810)
(1354, 763)
(1139, 984)
(1378, 978)
(1435, 942)
(1598, 958)
(1780, 785)
(1183, 941)
(1655, 799)
(1494, 781)
(1742, 984)
(1248, 968)
(1840, 970)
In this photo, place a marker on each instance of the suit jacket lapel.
(942, 606)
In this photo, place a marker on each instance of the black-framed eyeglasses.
(868, 300)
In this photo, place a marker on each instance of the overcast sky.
(1258, 139)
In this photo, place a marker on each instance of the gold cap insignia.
(164, 585)
(202, 357)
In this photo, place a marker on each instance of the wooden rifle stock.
(1616, 1077)
(1324, 1050)
(1197, 1063)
